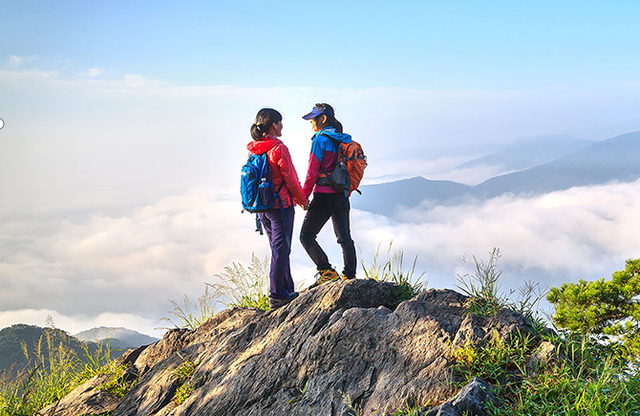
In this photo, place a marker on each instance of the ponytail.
(333, 121)
(264, 120)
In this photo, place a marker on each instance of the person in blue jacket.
(327, 203)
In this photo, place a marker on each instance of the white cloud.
(93, 72)
(15, 61)
(584, 232)
(132, 264)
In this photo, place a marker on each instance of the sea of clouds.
(123, 270)
(120, 192)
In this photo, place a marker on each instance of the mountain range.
(35, 340)
(593, 163)
(119, 338)
(527, 152)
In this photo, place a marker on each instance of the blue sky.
(126, 124)
(435, 45)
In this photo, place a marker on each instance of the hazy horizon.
(125, 128)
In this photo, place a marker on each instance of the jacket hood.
(331, 132)
(258, 147)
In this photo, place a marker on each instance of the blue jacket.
(324, 153)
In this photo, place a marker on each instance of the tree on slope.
(603, 307)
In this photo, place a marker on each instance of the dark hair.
(331, 118)
(264, 119)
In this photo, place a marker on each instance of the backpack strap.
(337, 142)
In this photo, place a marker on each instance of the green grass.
(54, 369)
(236, 286)
(120, 382)
(587, 382)
(391, 269)
(592, 378)
(245, 287)
(183, 375)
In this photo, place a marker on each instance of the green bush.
(608, 308)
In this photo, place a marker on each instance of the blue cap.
(318, 110)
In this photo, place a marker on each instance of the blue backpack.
(256, 187)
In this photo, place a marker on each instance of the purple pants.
(278, 224)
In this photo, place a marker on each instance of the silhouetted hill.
(386, 198)
(120, 338)
(33, 338)
(613, 160)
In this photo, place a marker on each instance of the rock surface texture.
(336, 348)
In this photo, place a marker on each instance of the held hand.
(306, 206)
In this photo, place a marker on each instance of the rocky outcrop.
(341, 347)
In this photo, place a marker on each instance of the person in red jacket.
(278, 221)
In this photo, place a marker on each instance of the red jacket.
(282, 169)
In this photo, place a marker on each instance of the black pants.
(323, 207)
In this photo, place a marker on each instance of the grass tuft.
(183, 375)
(244, 287)
(392, 270)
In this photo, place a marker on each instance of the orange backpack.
(349, 168)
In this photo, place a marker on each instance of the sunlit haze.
(126, 124)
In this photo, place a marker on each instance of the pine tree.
(602, 307)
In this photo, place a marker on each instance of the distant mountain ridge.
(528, 152)
(117, 337)
(613, 160)
(13, 338)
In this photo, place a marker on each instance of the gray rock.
(546, 354)
(448, 409)
(474, 397)
(343, 342)
(87, 399)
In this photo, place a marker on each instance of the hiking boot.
(275, 303)
(325, 276)
(345, 277)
